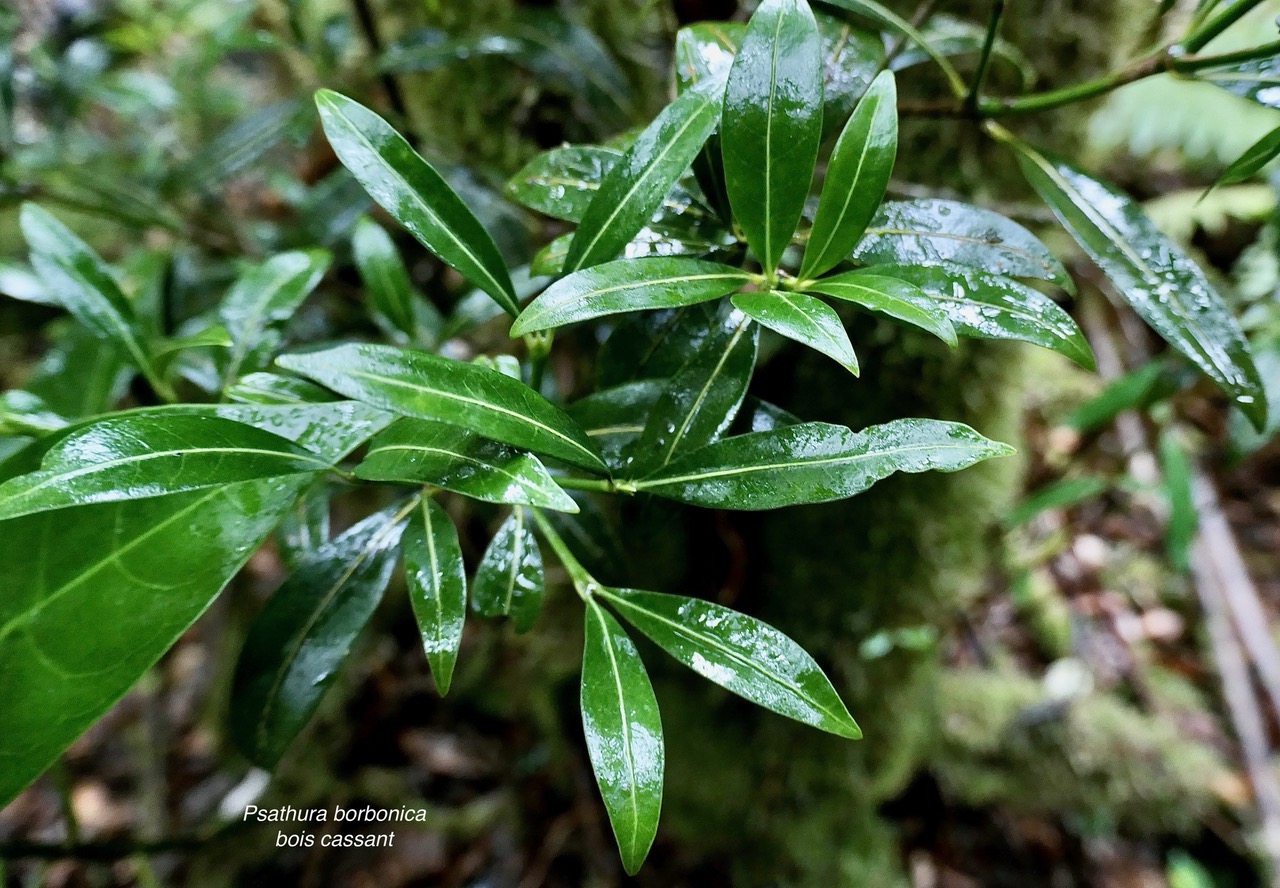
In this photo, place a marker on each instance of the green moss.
(1098, 759)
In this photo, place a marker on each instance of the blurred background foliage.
(1022, 641)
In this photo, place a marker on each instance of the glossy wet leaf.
(803, 319)
(134, 457)
(509, 581)
(857, 176)
(951, 36)
(305, 527)
(623, 729)
(90, 606)
(613, 417)
(425, 386)
(739, 653)
(562, 182)
(894, 297)
(83, 284)
(656, 344)
(262, 299)
(1256, 79)
(394, 302)
(772, 124)
(22, 413)
(933, 231)
(437, 587)
(415, 195)
(628, 285)
(1255, 158)
(304, 634)
(852, 56)
(635, 186)
(1153, 274)
(701, 398)
(989, 306)
(815, 462)
(273, 388)
(415, 451)
(704, 51)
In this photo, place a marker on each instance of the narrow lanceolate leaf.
(1252, 162)
(95, 595)
(81, 282)
(989, 306)
(1163, 285)
(273, 388)
(628, 285)
(802, 318)
(929, 232)
(623, 728)
(391, 294)
(815, 462)
(896, 298)
(634, 187)
(437, 587)
(305, 633)
(415, 451)
(263, 298)
(702, 398)
(739, 653)
(425, 386)
(509, 580)
(134, 457)
(561, 182)
(772, 124)
(613, 417)
(856, 178)
(705, 50)
(415, 195)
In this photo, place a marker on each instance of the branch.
(984, 60)
(1199, 38)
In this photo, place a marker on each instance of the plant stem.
(599, 485)
(539, 349)
(1192, 64)
(583, 582)
(984, 60)
(1200, 37)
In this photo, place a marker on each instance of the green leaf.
(1255, 158)
(613, 417)
(702, 398)
(988, 306)
(509, 580)
(395, 303)
(656, 344)
(272, 388)
(1255, 79)
(437, 587)
(1184, 518)
(889, 296)
(1059, 495)
(804, 319)
(815, 463)
(623, 728)
(305, 633)
(930, 232)
(94, 595)
(1155, 277)
(628, 285)
(562, 182)
(305, 527)
(214, 336)
(950, 36)
(739, 653)
(415, 451)
(263, 298)
(1131, 391)
(415, 195)
(134, 457)
(635, 186)
(83, 284)
(772, 124)
(857, 177)
(704, 51)
(426, 386)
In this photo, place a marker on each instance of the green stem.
(599, 485)
(583, 582)
(538, 346)
(984, 60)
(1201, 36)
(1199, 63)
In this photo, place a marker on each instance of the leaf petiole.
(583, 582)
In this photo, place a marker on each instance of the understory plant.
(750, 211)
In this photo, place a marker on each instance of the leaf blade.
(426, 386)
(891, 296)
(803, 319)
(815, 462)
(628, 285)
(857, 176)
(772, 124)
(415, 195)
(740, 653)
(623, 730)
(437, 583)
(509, 581)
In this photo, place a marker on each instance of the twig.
(1225, 19)
(984, 60)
